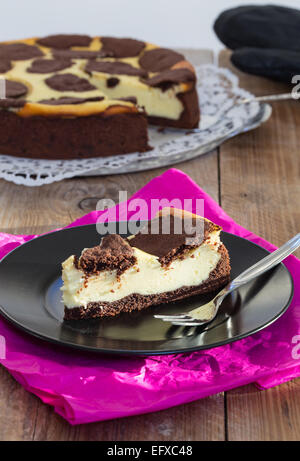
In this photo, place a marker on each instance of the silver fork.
(207, 312)
(240, 101)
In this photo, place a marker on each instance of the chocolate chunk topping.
(46, 66)
(62, 101)
(113, 253)
(14, 89)
(170, 237)
(9, 102)
(69, 82)
(168, 78)
(5, 66)
(65, 41)
(159, 59)
(112, 82)
(122, 47)
(118, 68)
(80, 54)
(129, 99)
(19, 51)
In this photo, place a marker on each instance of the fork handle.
(269, 98)
(267, 263)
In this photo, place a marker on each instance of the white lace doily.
(218, 89)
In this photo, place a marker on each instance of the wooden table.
(256, 179)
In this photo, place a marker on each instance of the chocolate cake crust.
(217, 279)
(81, 137)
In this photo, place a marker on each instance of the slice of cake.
(76, 96)
(177, 255)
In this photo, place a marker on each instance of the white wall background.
(181, 23)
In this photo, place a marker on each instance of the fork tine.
(176, 319)
(171, 317)
(189, 323)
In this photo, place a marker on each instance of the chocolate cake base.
(217, 279)
(71, 138)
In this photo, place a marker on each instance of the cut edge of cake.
(117, 276)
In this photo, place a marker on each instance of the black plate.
(31, 299)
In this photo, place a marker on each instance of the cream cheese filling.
(146, 277)
(155, 101)
(39, 90)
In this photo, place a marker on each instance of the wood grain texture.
(272, 414)
(18, 410)
(201, 420)
(260, 189)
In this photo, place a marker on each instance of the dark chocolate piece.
(66, 100)
(122, 47)
(113, 253)
(5, 66)
(168, 78)
(217, 279)
(170, 237)
(118, 68)
(19, 51)
(64, 40)
(10, 102)
(112, 82)
(46, 66)
(159, 59)
(69, 82)
(14, 89)
(80, 54)
(128, 99)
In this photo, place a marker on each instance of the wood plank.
(201, 420)
(272, 414)
(39, 209)
(18, 410)
(260, 189)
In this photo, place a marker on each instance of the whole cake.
(149, 268)
(75, 96)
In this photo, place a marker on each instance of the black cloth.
(272, 63)
(265, 39)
